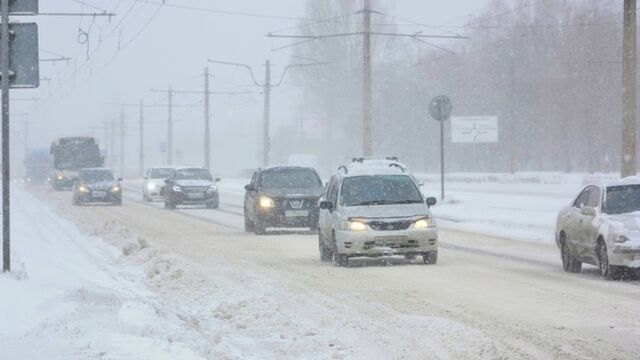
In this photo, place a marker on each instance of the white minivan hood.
(386, 211)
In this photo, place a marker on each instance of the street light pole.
(629, 127)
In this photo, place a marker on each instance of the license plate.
(296, 213)
(99, 194)
(195, 195)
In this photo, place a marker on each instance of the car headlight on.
(115, 188)
(426, 223)
(621, 239)
(83, 189)
(266, 202)
(354, 226)
(213, 188)
(60, 177)
(177, 188)
(151, 186)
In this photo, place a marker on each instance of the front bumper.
(278, 218)
(381, 243)
(182, 198)
(110, 196)
(625, 255)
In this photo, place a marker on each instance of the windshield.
(379, 190)
(96, 175)
(193, 174)
(290, 178)
(622, 199)
(159, 173)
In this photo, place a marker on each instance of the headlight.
(115, 188)
(354, 226)
(424, 224)
(83, 189)
(266, 202)
(60, 177)
(177, 188)
(621, 239)
(151, 186)
(213, 188)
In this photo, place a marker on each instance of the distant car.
(191, 186)
(154, 182)
(373, 209)
(96, 185)
(282, 196)
(601, 227)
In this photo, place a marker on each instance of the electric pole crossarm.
(237, 64)
(318, 37)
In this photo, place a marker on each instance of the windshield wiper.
(373, 202)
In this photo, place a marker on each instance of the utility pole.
(266, 146)
(6, 173)
(141, 138)
(170, 129)
(207, 113)
(629, 127)
(266, 86)
(366, 81)
(112, 143)
(122, 130)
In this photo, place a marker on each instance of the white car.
(154, 181)
(375, 209)
(602, 227)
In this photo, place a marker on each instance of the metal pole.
(366, 82)
(141, 138)
(112, 143)
(442, 159)
(629, 127)
(6, 170)
(170, 129)
(207, 131)
(122, 143)
(267, 114)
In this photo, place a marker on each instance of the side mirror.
(119, 179)
(326, 205)
(167, 181)
(217, 179)
(431, 201)
(588, 211)
(249, 187)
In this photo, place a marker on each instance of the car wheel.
(249, 226)
(212, 205)
(430, 257)
(169, 205)
(326, 254)
(607, 270)
(118, 202)
(569, 262)
(341, 260)
(146, 198)
(259, 226)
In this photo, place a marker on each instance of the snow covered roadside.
(71, 296)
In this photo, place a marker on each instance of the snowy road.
(488, 297)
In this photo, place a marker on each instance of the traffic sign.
(23, 7)
(23, 56)
(474, 129)
(440, 108)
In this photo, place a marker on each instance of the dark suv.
(283, 196)
(190, 186)
(96, 185)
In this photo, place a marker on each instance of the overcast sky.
(169, 46)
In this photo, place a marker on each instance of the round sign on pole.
(440, 108)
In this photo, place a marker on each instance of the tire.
(212, 205)
(340, 260)
(249, 226)
(569, 262)
(145, 198)
(118, 202)
(326, 255)
(430, 257)
(260, 227)
(608, 271)
(169, 205)
(76, 202)
(410, 257)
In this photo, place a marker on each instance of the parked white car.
(375, 209)
(602, 227)
(154, 181)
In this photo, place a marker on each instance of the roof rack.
(364, 158)
(343, 168)
(398, 166)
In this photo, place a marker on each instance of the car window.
(333, 195)
(622, 199)
(594, 198)
(379, 190)
(159, 173)
(253, 178)
(290, 178)
(192, 174)
(583, 198)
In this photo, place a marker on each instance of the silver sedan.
(601, 227)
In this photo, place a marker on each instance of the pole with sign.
(18, 69)
(440, 109)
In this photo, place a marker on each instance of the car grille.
(390, 226)
(195, 189)
(297, 203)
